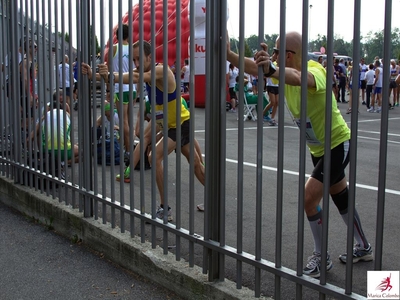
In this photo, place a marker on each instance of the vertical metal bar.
(42, 84)
(302, 147)
(120, 92)
(259, 158)
(112, 90)
(12, 76)
(383, 139)
(16, 77)
(25, 94)
(49, 159)
(327, 163)
(85, 137)
(72, 88)
(64, 111)
(153, 104)
(32, 144)
(212, 148)
(121, 118)
(240, 192)
(131, 129)
(63, 86)
(57, 87)
(5, 64)
(94, 128)
(353, 139)
(103, 133)
(143, 150)
(222, 29)
(165, 129)
(191, 8)
(178, 225)
(208, 113)
(215, 177)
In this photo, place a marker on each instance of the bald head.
(293, 44)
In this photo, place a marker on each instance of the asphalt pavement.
(37, 263)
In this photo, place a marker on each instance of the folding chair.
(249, 110)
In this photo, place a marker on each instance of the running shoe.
(267, 118)
(127, 175)
(200, 207)
(359, 254)
(160, 213)
(232, 110)
(272, 123)
(313, 266)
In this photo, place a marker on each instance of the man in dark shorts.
(199, 169)
(315, 135)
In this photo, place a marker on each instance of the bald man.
(315, 134)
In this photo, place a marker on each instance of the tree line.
(371, 45)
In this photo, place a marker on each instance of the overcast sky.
(372, 16)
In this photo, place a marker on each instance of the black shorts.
(340, 156)
(273, 89)
(392, 84)
(232, 93)
(363, 84)
(185, 133)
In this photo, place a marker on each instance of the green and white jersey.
(55, 121)
(316, 103)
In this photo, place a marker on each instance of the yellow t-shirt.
(316, 103)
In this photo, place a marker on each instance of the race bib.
(160, 118)
(310, 134)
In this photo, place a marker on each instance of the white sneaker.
(314, 265)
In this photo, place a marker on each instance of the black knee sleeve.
(341, 201)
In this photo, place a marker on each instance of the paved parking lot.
(367, 172)
(367, 175)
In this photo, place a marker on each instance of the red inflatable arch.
(159, 27)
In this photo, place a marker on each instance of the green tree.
(252, 42)
(234, 44)
(339, 46)
(373, 45)
(247, 50)
(319, 42)
(270, 41)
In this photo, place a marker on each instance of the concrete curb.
(120, 248)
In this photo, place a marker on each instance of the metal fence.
(241, 213)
